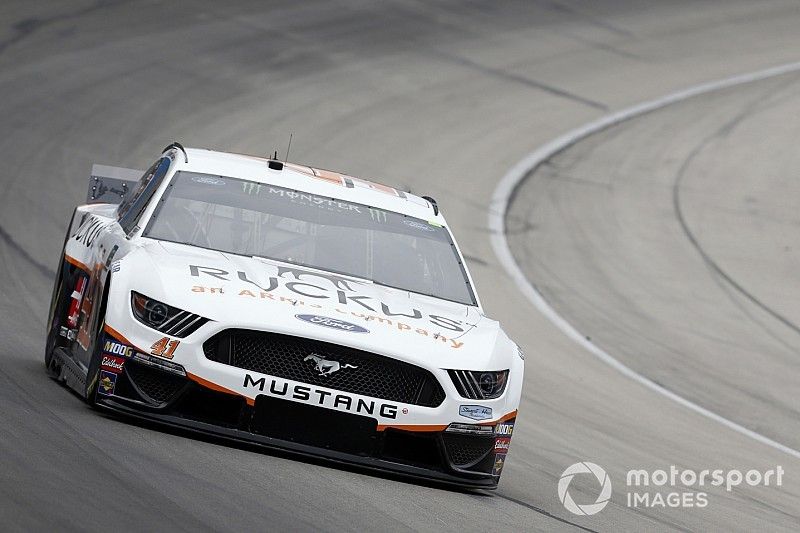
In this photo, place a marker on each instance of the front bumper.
(456, 459)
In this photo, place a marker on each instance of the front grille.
(158, 386)
(466, 450)
(359, 372)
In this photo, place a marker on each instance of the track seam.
(510, 183)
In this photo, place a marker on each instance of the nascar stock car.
(287, 306)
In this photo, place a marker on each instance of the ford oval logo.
(333, 323)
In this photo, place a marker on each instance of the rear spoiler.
(111, 185)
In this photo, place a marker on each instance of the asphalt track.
(670, 240)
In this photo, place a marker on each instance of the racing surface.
(671, 239)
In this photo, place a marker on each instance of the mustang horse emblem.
(326, 367)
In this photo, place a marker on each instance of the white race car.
(288, 306)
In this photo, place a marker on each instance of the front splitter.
(480, 481)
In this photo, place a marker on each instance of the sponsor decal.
(499, 461)
(208, 180)
(333, 323)
(416, 224)
(112, 363)
(279, 388)
(116, 348)
(326, 367)
(504, 429)
(108, 380)
(475, 412)
(88, 231)
(304, 198)
(165, 347)
(501, 445)
(312, 289)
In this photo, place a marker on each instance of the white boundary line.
(506, 187)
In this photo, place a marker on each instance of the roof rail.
(178, 146)
(433, 203)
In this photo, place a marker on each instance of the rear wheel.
(96, 349)
(53, 330)
(59, 303)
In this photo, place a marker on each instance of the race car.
(296, 308)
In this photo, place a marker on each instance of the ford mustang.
(283, 305)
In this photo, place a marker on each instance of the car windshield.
(255, 219)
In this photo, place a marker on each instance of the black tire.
(53, 331)
(58, 306)
(93, 373)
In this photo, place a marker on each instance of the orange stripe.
(509, 416)
(120, 337)
(75, 262)
(327, 175)
(213, 386)
(301, 168)
(116, 334)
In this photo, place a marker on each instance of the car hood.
(257, 293)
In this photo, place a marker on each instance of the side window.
(132, 208)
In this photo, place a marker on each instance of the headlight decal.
(164, 318)
(479, 384)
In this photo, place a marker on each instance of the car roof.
(307, 179)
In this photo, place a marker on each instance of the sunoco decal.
(333, 323)
(108, 380)
(499, 461)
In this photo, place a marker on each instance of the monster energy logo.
(249, 187)
(377, 215)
